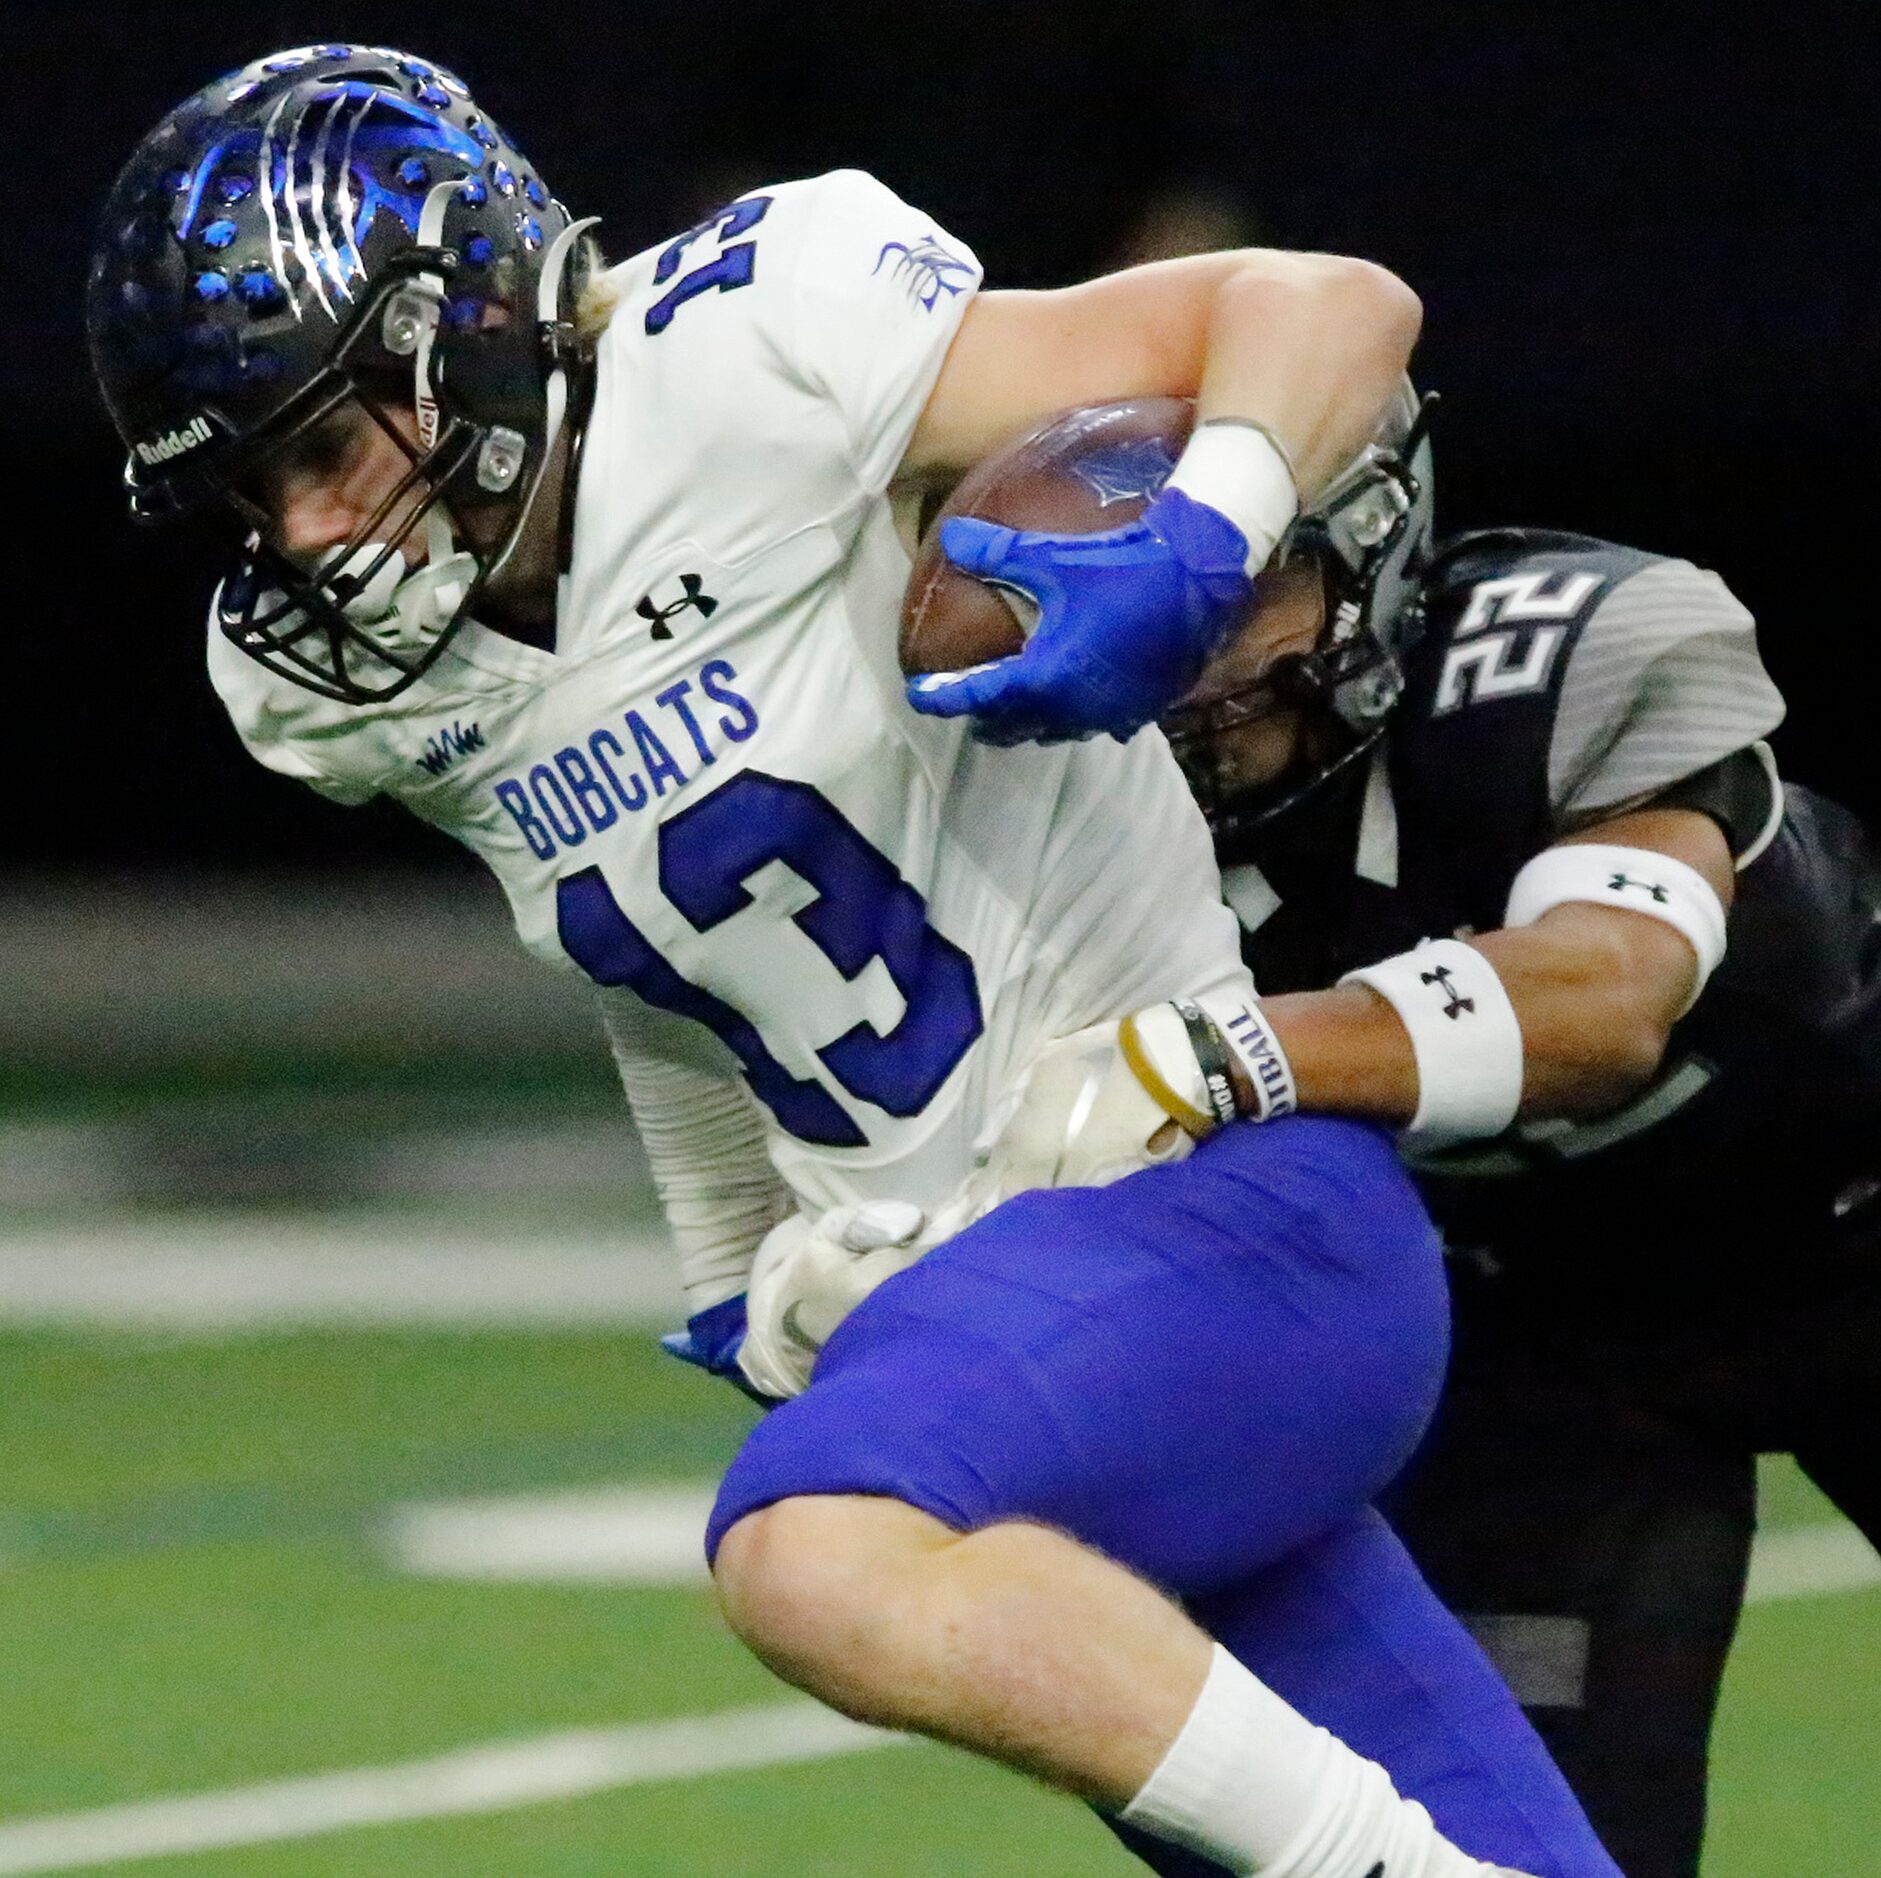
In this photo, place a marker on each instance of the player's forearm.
(1309, 345)
(1350, 1054)
(1595, 1004)
(705, 1148)
(1596, 995)
(1312, 347)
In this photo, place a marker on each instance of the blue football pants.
(1205, 1372)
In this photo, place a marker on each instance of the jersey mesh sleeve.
(878, 294)
(1664, 681)
(705, 1144)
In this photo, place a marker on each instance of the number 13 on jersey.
(863, 911)
(734, 265)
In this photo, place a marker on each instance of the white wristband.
(1464, 1035)
(1263, 1059)
(1236, 468)
(1636, 880)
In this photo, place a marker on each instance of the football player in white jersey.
(601, 575)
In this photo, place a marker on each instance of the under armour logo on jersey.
(1620, 882)
(693, 596)
(1445, 981)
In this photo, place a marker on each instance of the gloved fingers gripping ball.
(810, 1274)
(998, 696)
(1126, 620)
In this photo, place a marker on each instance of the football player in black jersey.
(1658, 1179)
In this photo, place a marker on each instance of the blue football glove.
(711, 1342)
(1127, 618)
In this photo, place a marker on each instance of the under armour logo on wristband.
(1444, 980)
(1620, 882)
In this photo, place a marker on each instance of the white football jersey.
(712, 797)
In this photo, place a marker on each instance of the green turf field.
(195, 1595)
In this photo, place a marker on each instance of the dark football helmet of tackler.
(332, 231)
(1370, 534)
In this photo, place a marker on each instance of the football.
(1082, 471)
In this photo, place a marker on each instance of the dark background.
(1648, 243)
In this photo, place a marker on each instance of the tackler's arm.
(1564, 1011)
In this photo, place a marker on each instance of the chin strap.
(549, 319)
(403, 613)
(420, 304)
(558, 345)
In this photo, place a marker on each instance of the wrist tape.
(1636, 880)
(1238, 469)
(1464, 1036)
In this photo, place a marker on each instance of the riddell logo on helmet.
(174, 443)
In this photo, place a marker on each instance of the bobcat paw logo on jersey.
(927, 268)
(693, 595)
(444, 747)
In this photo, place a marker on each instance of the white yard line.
(489, 1779)
(619, 1535)
(608, 1535)
(655, 1536)
(1810, 1562)
(229, 1274)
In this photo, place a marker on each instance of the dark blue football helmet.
(330, 226)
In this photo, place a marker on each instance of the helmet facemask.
(367, 618)
(357, 620)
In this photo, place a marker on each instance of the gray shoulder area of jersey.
(1664, 681)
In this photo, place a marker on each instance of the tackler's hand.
(1126, 620)
(1117, 1097)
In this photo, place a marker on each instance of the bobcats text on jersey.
(578, 790)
